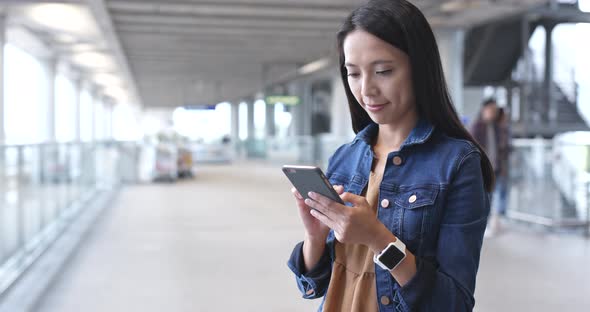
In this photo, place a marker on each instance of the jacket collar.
(420, 134)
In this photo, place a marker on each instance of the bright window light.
(259, 118)
(584, 5)
(99, 120)
(65, 101)
(206, 124)
(243, 120)
(25, 96)
(125, 125)
(85, 116)
(282, 120)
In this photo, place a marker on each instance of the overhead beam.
(316, 4)
(225, 10)
(232, 53)
(181, 42)
(219, 31)
(168, 20)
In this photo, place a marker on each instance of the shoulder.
(453, 150)
(444, 142)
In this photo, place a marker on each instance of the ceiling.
(204, 51)
(191, 52)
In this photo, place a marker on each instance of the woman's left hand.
(352, 225)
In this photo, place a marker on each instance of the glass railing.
(43, 188)
(549, 180)
(549, 183)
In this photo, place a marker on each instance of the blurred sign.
(285, 99)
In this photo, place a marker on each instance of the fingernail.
(311, 194)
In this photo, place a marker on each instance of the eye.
(353, 75)
(384, 72)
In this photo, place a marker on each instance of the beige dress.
(352, 285)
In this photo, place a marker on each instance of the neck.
(392, 136)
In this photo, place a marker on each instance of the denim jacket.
(442, 224)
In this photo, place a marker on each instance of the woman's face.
(380, 78)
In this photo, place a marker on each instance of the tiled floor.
(220, 243)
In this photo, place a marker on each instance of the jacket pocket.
(416, 203)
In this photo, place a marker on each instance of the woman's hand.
(314, 229)
(352, 225)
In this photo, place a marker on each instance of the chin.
(380, 120)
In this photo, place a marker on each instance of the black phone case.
(311, 179)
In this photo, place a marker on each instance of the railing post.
(2, 198)
(21, 239)
(43, 207)
(68, 182)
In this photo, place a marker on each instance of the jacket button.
(385, 300)
(397, 160)
(385, 203)
(412, 199)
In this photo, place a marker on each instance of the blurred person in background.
(415, 181)
(500, 197)
(491, 130)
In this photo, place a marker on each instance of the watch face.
(391, 257)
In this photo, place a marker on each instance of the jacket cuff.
(419, 285)
(308, 282)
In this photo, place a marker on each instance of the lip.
(375, 108)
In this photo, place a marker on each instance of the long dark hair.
(402, 25)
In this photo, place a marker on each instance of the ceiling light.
(314, 66)
(65, 38)
(83, 47)
(107, 80)
(64, 17)
(117, 93)
(94, 60)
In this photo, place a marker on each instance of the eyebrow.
(378, 62)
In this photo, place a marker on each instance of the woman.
(413, 176)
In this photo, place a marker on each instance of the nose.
(368, 87)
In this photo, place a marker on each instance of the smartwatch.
(391, 256)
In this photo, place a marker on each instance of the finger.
(356, 200)
(320, 208)
(328, 206)
(322, 218)
(296, 193)
(339, 189)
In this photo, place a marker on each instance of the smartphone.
(311, 179)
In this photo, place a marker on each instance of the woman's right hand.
(314, 229)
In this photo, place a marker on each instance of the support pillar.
(2, 104)
(549, 103)
(451, 43)
(77, 105)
